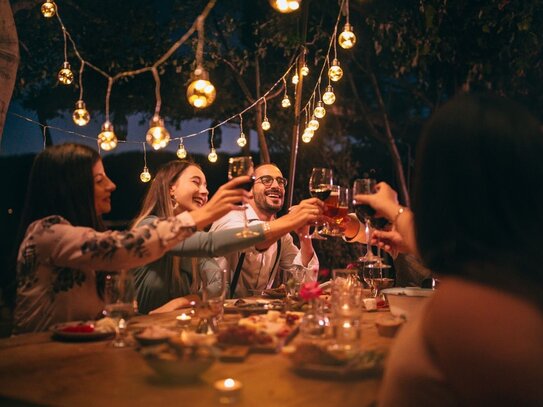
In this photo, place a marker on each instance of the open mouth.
(274, 194)
(198, 201)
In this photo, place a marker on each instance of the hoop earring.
(175, 204)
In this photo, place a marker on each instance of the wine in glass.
(336, 208)
(320, 186)
(120, 302)
(238, 166)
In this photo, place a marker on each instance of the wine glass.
(120, 302)
(336, 208)
(211, 308)
(365, 186)
(238, 166)
(320, 186)
(377, 276)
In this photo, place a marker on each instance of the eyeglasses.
(267, 180)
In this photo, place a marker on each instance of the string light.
(241, 141)
(329, 97)
(305, 70)
(313, 124)
(295, 79)
(307, 136)
(286, 101)
(201, 92)
(157, 136)
(285, 6)
(265, 123)
(347, 39)
(181, 150)
(81, 116)
(335, 73)
(145, 175)
(107, 140)
(65, 75)
(319, 111)
(49, 9)
(212, 156)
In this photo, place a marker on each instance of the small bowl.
(406, 302)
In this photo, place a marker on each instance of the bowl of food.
(405, 302)
(179, 362)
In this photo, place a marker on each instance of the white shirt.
(258, 271)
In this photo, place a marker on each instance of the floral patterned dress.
(56, 278)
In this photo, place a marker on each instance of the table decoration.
(228, 390)
(314, 322)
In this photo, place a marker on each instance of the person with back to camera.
(476, 223)
(169, 282)
(63, 241)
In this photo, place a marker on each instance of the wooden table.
(34, 369)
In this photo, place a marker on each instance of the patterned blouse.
(56, 279)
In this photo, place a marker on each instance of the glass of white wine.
(238, 166)
(120, 302)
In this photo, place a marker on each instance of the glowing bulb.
(212, 156)
(49, 9)
(335, 72)
(285, 6)
(145, 175)
(242, 141)
(81, 115)
(347, 39)
(319, 111)
(266, 124)
(328, 97)
(181, 151)
(107, 138)
(295, 79)
(313, 124)
(305, 70)
(65, 75)
(307, 136)
(201, 93)
(285, 102)
(157, 136)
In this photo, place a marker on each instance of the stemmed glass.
(377, 276)
(365, 186)
(120, 302)
(336, 207)
(320, 186)
(211, 309)
(238, 166)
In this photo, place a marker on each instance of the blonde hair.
(159, 202)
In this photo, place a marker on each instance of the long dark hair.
(478, 192)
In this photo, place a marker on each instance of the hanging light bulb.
(313, 124)
(347, 39)
(285, 102)
(181, 151)
(266, 124)
(145, 175)
(49, 9)
(335, 73)
(212, 156)
(201, 92)
(307, 136)
(329, 97)
(65, 75)
(107, 140)
(295, 79)
(157, 136)
(319, 111)
(305, 70)
(81, 115)
(285, 6)
(242, 141)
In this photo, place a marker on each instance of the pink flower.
(324, 272)
(310, 290)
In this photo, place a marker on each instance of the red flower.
(310, 290)
(351, 266)
(324, 272)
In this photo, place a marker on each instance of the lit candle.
(228, 390)
(184, 319)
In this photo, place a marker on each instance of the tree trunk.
(9, 59)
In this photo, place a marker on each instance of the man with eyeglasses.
(260, 266)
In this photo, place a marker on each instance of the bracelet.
(266, 226)
(401, 210)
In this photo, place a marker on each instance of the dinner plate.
(60, 332)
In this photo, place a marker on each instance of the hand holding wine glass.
(320, 186)
(237, 167)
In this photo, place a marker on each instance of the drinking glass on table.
(377, 276)
(120, 302)
(211, 309)
(320, 186)
(238, 166)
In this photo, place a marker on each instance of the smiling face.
(190, 189)
(268, 199)
(103, 187)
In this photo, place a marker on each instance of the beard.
(269, 205)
